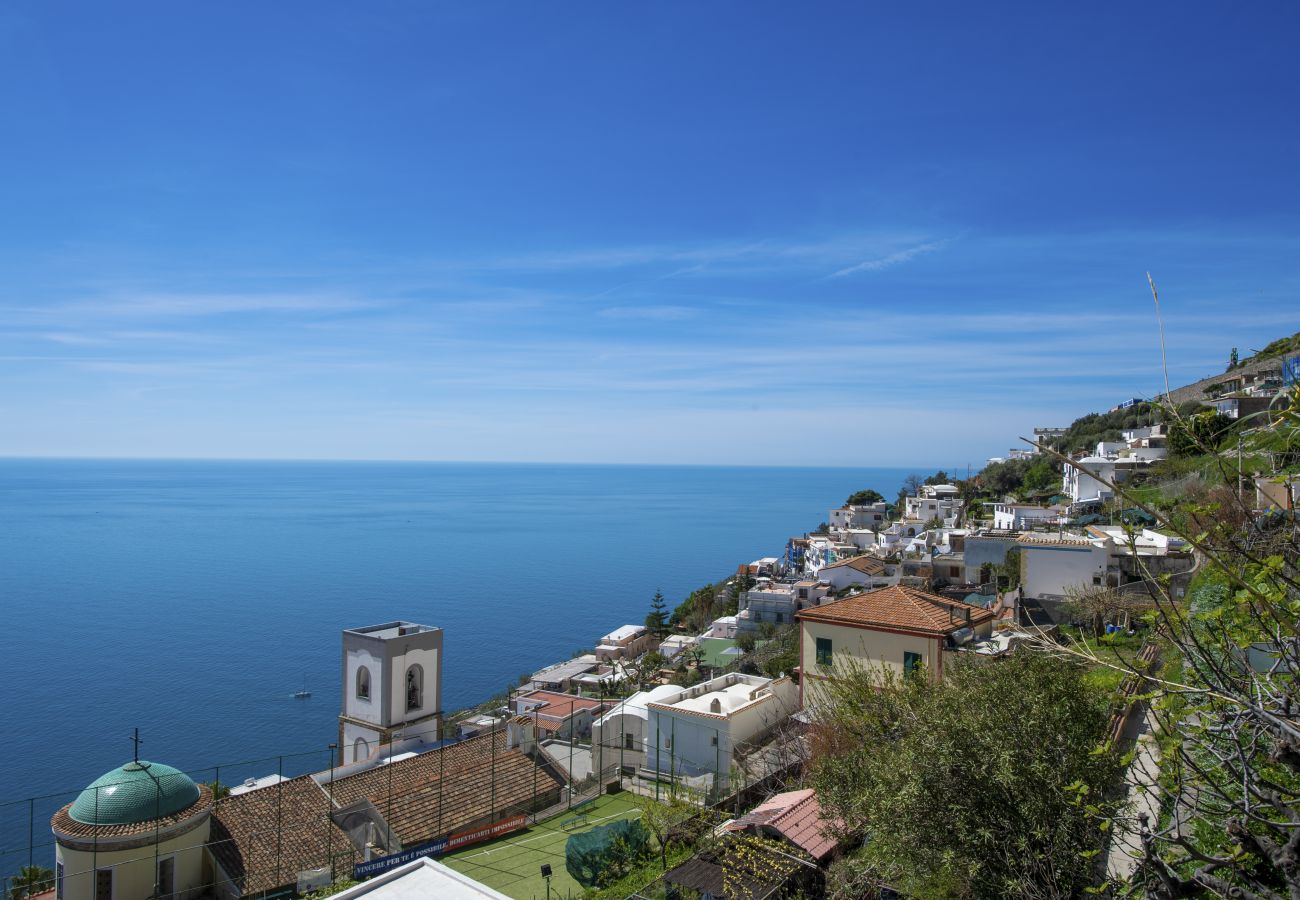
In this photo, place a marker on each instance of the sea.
(192, 599)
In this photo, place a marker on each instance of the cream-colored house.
(899, 628)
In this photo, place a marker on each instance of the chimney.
(519, 734)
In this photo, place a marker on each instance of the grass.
(512, 865)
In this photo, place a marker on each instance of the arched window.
(414, 688)
(360, 750)
(363, 683)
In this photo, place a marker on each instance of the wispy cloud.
(659, 313)
(898, 257)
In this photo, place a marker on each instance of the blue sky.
(758, 233)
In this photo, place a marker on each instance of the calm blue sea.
(191, 599)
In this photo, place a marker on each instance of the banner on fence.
(438, 846)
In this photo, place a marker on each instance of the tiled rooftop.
(868, 565)
(796, 816)
(901, 608)
(265, 838)
(450, 788)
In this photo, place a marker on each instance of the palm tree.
(29, 881)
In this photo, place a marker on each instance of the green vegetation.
(656, 621)
(986, 784)
(864, 498)
(30, 880)
(1281, 347)
(606, 853)
(1087, 431)
(702, 606)
(1197, 434)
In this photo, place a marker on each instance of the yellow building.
(138, 831)
(894, 628)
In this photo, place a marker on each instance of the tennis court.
(512, 865)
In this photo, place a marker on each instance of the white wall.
(367, 710)
(695, 744)
(428, 659)
(1048, 571)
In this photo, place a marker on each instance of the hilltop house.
(897, 628)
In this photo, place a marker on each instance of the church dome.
(135, 792)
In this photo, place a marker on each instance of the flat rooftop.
(390, 630)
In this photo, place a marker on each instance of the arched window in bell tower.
(414, 688)
(363, 683)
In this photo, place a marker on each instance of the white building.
(1082, 486)
(862, 516)
(1051, 565)
(392, 681)
(867, 571)
(935, 501)
(723, 627)
(676, 643)
(621, 732)
(1018, 516)
(697, 730)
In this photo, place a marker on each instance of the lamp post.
(546, 873)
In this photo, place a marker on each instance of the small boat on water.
(304, 693)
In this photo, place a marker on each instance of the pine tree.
(657, 621)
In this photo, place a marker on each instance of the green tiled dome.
(135, 792)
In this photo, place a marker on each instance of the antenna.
(135, 739)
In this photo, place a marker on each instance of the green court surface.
(512, 864)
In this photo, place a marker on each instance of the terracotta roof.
(865, 564)
(1047, 539)
(796, 816)
(561, 705)
(450, 788)
(64, 824)
(264, 838)
(900, 608)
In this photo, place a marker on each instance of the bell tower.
(392, 682)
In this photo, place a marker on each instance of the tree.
(1198, 434)
(911, 485)
(970, 786)
(1225, 700)
(745, 641)
(30, 880)
(940, 477)
(864, 498)
(220, 790)
(1232, 360)
(662, 820)
(657, 620)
